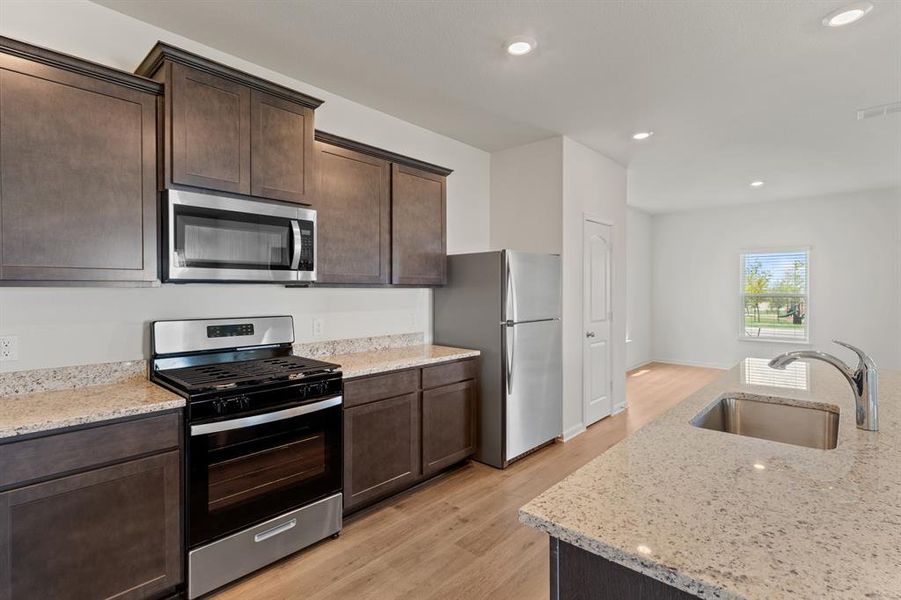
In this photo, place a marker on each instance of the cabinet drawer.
(449, 373)
(43, 457)
(369, 389)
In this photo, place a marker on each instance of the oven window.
(207, 238)
(237, 480)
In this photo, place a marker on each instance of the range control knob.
(219, 407)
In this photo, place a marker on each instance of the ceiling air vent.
(879, 111)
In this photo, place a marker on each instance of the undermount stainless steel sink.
(813, 426)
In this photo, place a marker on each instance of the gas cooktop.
(229, 375)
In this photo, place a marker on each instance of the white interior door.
(597, 314)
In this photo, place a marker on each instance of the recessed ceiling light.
(642, 135)
(520, 45)
(847, 15)
(756, 184)
(644, 549)
(760, 466)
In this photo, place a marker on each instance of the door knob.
(589, 334)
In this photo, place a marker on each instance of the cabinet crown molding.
(393, 157)
(162, 52)
(81, 66)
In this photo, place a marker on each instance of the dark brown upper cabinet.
(226, 130)
(78, 196)
(210, 119)
(418, 227)
(381, 215)
(353, 213)
(281, 149)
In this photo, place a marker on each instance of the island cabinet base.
(580, 575)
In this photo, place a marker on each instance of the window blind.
(775, 295)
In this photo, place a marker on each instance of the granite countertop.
(357, 364)
(726, 516)
(44, 411)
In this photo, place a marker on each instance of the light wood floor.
(458, 537)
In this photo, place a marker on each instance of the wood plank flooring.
(458, 537)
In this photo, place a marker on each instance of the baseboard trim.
(691, 363)
(573, 432)
(639, 365)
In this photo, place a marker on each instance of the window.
(774, 293)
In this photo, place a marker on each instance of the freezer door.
(533, 385)
(531, 286)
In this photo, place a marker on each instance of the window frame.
(742, 331)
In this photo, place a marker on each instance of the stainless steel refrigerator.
(508, 304)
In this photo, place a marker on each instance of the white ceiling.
(735, 90)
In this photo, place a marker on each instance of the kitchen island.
(679, 511)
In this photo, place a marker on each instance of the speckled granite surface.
(44, 411)
(688, 506)
(63, 378)
(354, 345)
(357, 364)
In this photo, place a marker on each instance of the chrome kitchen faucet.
(863, 380)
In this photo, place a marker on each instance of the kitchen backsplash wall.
(61, 378)
(76, 326)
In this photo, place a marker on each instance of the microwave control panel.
(307, 246)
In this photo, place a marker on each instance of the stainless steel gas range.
(263, 443)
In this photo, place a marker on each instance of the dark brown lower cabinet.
(577, 574)
(396, 434)
(381, 449)
(448, 425)
(111, 531)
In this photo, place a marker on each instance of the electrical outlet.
(318, 327)
(9, 348)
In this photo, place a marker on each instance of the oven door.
(245, 470)
(219, 238)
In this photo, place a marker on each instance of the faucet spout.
(863, 380)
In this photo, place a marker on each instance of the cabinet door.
(210, 131)
(381, 449)
(353, 216)
(418, 230)
(448, 425)
(111, 532)
(78, 166)
(281, 149)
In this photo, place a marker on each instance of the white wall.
(639, 338)
(854, 276)
(526, 197)
(593, 185)
(66, 326)
(540, 193)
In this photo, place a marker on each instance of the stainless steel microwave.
(219, 238)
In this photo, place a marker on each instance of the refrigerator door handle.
(509, 343)
(510, 299)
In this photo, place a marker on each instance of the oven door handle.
(272, 417)
(295, 231)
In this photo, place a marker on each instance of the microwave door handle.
(295, 231)
(281, 415)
